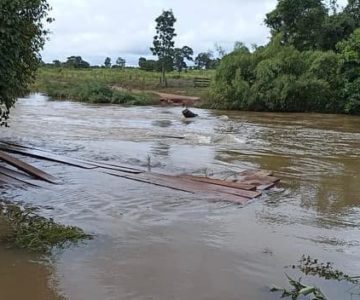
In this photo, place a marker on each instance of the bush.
(23, 228)
(95, 92)
(281, 78)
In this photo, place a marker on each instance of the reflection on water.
(154, 243)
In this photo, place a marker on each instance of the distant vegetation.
(311, 64)
(121, 86)
(22, 36)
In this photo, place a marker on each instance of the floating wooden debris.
(27, 168)
(243, 187)
(17, 178)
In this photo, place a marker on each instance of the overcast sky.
(95, 29)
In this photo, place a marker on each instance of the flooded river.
(157, 243)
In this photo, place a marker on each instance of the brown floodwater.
(155, 243)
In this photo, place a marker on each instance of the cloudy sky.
(95, 29)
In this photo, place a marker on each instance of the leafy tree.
(350, 68)
(299, 22)
(76, 62)
(148, 65)
(57, 63)
(180, 55)
(120, 62)
(22, 36)
(163, 44)
(220, 50)
(204, 60)
(312, 63)
(240, 46)
(107, 62)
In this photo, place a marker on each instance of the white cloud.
(95, 29)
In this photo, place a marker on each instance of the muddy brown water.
(155, 243)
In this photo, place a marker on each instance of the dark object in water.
(188, 113)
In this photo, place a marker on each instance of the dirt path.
(176, 99)
(165, 98)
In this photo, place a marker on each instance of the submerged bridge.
(244, 186)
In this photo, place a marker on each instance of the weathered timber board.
(223, 189)
(236, 185)
(19, 176)
(27, 168)
(184, 186)
(9, 180)
(85, 164)
(46, 155)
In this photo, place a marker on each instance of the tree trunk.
(163, 75)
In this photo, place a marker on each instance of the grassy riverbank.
(23, 228)
(116, 86)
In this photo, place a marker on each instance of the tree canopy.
(22, 36)
(163, 44)
(311, 64)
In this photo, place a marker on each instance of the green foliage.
(76, 62)
(23, 228)
(120, 62)
(204, 60)
(312, 266)
(94, 92)
(299, 22)
(180, 55)
(22, 36)
(299, 289)
(295, 72)
(311, 25)
(149, 64)
(107, 62)
(163, 44)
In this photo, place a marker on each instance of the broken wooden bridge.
(242, 187)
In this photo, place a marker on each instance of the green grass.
(94, 92)
(23, 228)
(102, 85)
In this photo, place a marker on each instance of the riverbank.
(116, 86)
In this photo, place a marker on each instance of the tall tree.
(180, 55)
(204, 60)
(221, 52)
(76, 62)
(57, 63)
(120, 62)
(107, 62)
(163, 44)
(299, 22)
(22, 36)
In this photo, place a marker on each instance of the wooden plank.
(29, 169)
(85, 164)
(257, 172)
(259, 183)
(259, 180)
(174, 184)
(147, 180)
(116, 167)
(236, 185)
(4, 179)
(227, 190)
(13, 173)
(19, 176)
(46, 155)
(183, 184)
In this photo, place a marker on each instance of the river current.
(156, 243)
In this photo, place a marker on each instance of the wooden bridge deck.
(248, 184)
